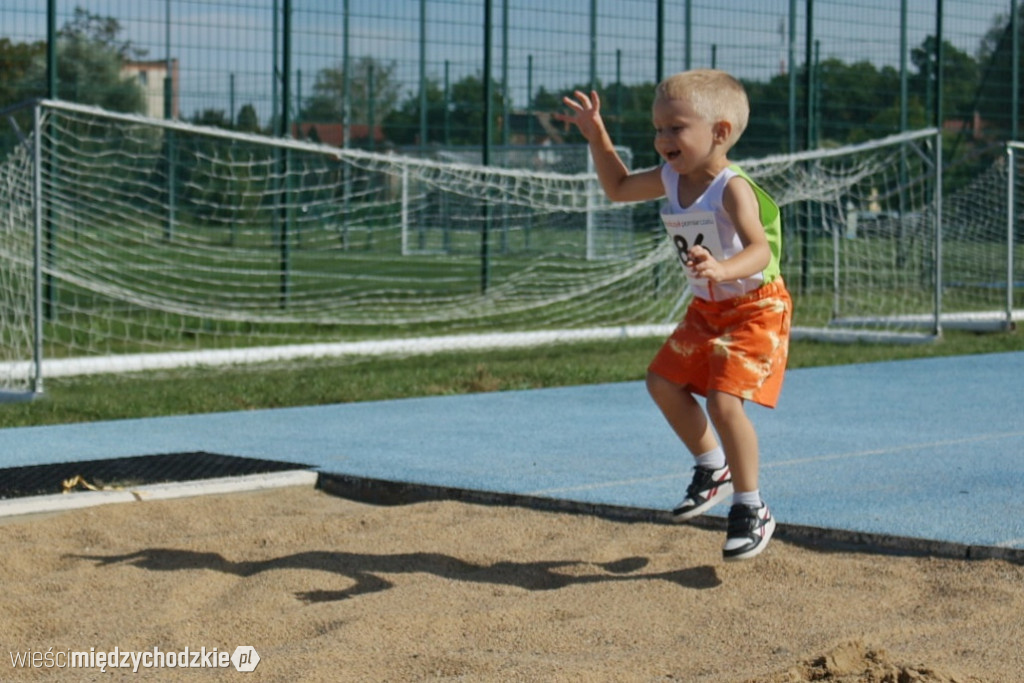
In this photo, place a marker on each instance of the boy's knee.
(722, 406)
(667, 394)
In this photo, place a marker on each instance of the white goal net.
(168, 244)
(19, 353)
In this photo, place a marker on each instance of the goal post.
(1014, 309)
(21, 293)
(167, 244)
(862, 236)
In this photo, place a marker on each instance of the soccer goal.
(863, 236)
(168, 244)
(983, 264)
(132, 243)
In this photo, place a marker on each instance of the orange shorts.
(738, 346)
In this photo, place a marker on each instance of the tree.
(16, 60)
(995, 89)
(859, 101)
(102, 32)
(768, 129)
(402, 125)
(89, 61)
(465, 114)
(467, 110)
(850, 95)
(961, 76)
(369, 77)
(629, 115)
(212, 117)
(248, 120)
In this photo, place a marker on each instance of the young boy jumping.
(732, 344)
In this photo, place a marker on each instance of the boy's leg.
(739, 440)
(751, 523)
(683, 413)
(711, 482)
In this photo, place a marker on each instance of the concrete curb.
(82, 499)
(385, 492)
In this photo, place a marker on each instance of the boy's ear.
(722, 131)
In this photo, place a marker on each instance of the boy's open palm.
(586, 113)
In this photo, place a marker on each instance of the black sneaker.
(708, 488)
(750, 529)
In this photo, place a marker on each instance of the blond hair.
(714, 95)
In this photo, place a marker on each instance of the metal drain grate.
(34, 480)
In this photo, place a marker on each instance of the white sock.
(749, 498)
(715, 459)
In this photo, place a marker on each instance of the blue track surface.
(924, 449)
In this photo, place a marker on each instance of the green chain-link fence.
(378, 73)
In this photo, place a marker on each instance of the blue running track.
(923, 451)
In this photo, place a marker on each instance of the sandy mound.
(853, 662)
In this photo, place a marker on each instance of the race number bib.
(687, 230)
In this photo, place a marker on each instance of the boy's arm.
(740, 202)
(618, 183)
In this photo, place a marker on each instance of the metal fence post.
(485, 266)
(938, 233)
(1011, 219)
(37, 248)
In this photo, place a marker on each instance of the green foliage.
(960, 75)
(403, 124)
(995, 93)
(459, 121)
(89, 61)
(212, 117)
(371, 84)
(15, 61)
(248, 120)
(100, 32)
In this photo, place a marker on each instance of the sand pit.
(326, 589)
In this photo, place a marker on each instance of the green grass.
(194, 391)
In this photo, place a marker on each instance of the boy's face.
(685, 140)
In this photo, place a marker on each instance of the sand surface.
(326, 589)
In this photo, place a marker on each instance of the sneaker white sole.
(724, 491)
(769, 531)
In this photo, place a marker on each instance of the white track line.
(893, 449)
(783, 463)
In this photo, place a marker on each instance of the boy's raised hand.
(586, 113)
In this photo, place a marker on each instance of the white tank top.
(705, 222)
